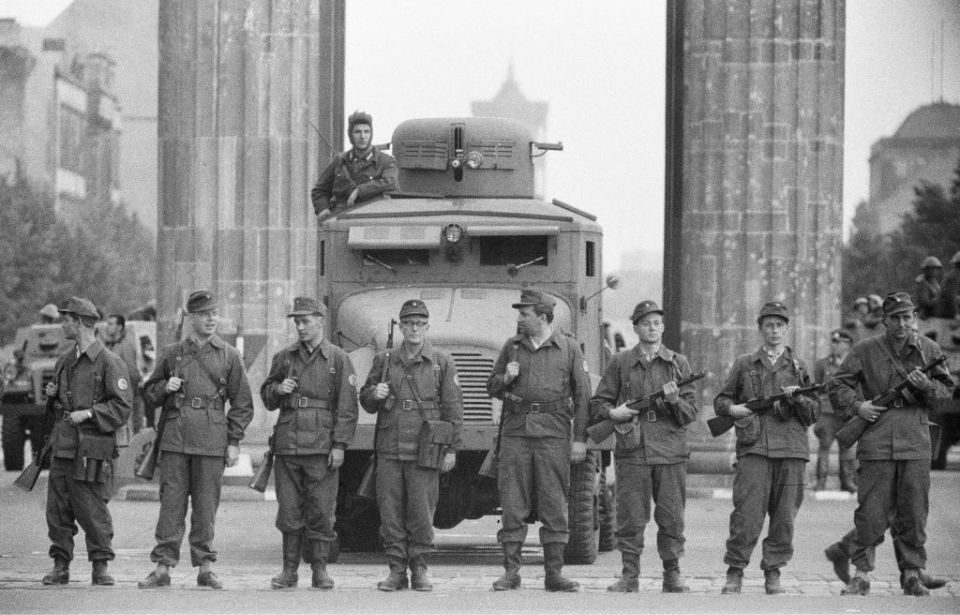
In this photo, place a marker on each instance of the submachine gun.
(605, 428)
(720, 425)
(28, 478)
(853, 430)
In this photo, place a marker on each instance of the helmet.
(931, 261)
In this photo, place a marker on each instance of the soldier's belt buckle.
(196, 402)
(408, 404)
(535, 408)
(301, 402)
(652, 416)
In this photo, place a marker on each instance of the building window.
(71, 140)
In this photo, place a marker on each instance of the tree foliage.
(109, 257)
(881, 263)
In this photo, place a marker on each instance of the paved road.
(463, 570)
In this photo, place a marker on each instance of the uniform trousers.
(898, 487)
(764, 486)
(183, 478)
(528, 466)
(306, 495)
(666, 486)
(71, 502)
(407, 497)
(826, 431)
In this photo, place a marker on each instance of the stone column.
(756, 206)
(240, 83)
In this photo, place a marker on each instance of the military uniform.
(407, 493)
(894, 452)
(651, 452)
(772, 450)
(125, 348)
(197, 430)
(827, 426)
(318, 416)
(81, 470)
(371, 175)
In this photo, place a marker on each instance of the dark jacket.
(196, 420)
(628, 376)
(867, 372)
(371, 175)
(96, 380)
(321, 413)
(435, 376)
(783, 435)
(556, 373)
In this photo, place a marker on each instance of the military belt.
(411, 404)
(199, 403)
(517, 404)
(309, 402)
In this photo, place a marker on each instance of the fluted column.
(240, 83)
(757, 210)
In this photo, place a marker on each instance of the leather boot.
(418, 575)
(772, 582)
(858, 586)
(511, 567)
(319, 556)
(840, 558)
(734, 581)
(629, 581)
(913, 586)
(60, 575)
(288, 577)
(672, 583)
(929, 581)
(100, 576)
(397, 578)
(553, 565)
(848, 477)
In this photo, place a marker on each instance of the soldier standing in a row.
(832, 420)
(94, 395)
(772, 450)
(313, 384)
(420, 385)
(194, 380)
(651, 455)
(541, 376)
(894, 453)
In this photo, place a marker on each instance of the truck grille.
(473, 369)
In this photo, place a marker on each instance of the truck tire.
(358, 525)
(608, 518)
(583, 512)
(13, 440)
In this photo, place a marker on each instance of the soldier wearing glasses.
(420, 385)
(313, 384)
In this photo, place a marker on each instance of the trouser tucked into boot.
(100, 576)
(320, 555)
(629, 581)
(418, 575)
(288, 577)
(60, 575)
(511, 567)
(397, 579)
(553, 565)
(672, 583)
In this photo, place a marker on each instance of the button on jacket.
(196, 420)
(554, 372)
(435, 374)
(321, 413)
(629, 376)
(900, 433)
(753, 376)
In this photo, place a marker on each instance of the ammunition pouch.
(628, 435)
(749, 434)
(435, 437)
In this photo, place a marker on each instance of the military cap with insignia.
(774, 308)
(306, 306)
(532, 296)
(81, 308)
(898, 302)
(201, 301)
(414, 307)
(643, 308)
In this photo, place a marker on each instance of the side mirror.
(612, 282)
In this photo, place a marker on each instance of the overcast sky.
(601, 69)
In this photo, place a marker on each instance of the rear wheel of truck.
(13, 440)
(608, 517)
(583, 512)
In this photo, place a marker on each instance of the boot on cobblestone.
(397, 578)
(553, 566)
(419, 581)
(320, 555)
(858, 586)
(511, 567)
(838, 556)
(672, 582)
(734, 581)
(60, 575)
(100, 576)
(913, 586)
(288, 577)
(771, 583)
(929, 581)
(629, 581)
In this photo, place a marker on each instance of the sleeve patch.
(122, 384)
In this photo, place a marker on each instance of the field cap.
(643, 308)
(414, 307)
(201, 301)
(81, 308)
(898, 302)
(774, 308)
(307, 306)
(535, 297)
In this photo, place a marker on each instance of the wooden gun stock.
(262, 476)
